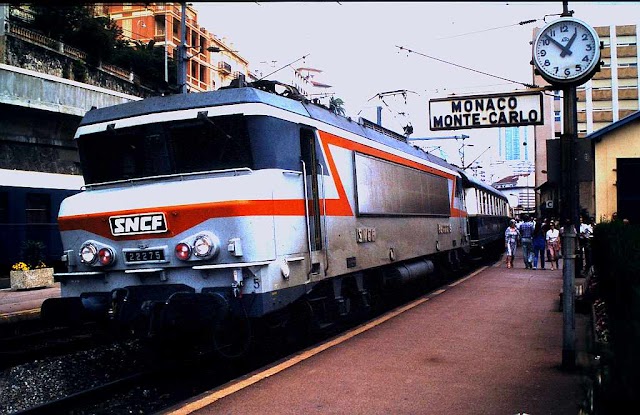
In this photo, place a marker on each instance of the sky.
(356, 46)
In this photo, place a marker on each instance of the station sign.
(486, 111)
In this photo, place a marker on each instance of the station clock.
(566, 52)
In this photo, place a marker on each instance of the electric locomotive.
(248, 202)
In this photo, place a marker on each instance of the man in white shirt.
(586, 233)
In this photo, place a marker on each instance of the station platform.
(490, 343)
(24, 304)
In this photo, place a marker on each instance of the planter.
(34, 278)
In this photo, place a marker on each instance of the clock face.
(566, 51)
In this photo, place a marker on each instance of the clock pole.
(569, 217)
(566, 54)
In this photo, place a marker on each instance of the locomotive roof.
(252, 95)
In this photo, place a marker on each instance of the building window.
(176, 28)
(160, 23)
(38, 208)
(203, 73)
(556, 116)
(126, 27)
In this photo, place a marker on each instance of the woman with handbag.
(553, 244)
(511, 238)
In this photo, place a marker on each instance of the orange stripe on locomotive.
(183, 217)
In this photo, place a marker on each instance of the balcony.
(224, 67)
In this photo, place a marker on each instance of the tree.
(59, 22)
(146, 61)
(101, 38)
(336, 105)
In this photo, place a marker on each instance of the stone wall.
(36, 140)
(24, 54)
(38, 117)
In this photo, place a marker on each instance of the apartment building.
(612, 93)
(212, 61)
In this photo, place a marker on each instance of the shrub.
(616, 248)
(33, 254)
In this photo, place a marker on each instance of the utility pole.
(182, 51)
(166, 46)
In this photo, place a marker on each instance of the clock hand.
(560, 45)
(567, 48)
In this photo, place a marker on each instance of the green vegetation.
(101, 38)
(616, 248)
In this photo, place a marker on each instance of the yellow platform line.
(19, 315)
(207, 398)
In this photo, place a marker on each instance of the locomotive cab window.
(196, 145)
(210, 144)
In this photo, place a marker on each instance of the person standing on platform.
(586, 231)
(538, 244)
(511, 237)
(526, 236)
(553, 244)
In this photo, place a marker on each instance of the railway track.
(154, 388)
(70, 403)
(30, 345)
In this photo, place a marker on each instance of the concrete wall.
(31, 89)
(39, 114)
(23, 54)
(40, 108)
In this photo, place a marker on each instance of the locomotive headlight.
(183, 251)
(106, 256)
(88, 253)
(203, 246)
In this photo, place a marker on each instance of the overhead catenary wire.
(510, 81)
(522, 23)
(284, 66)
(467, 68)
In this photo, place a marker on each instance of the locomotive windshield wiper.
(204, 116)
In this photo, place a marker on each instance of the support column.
(182, 51)
(569, 210)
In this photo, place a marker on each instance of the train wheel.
(232, 337)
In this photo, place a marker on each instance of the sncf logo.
(138, 224)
